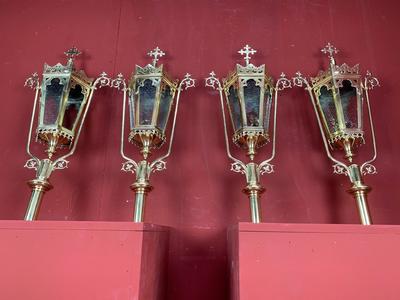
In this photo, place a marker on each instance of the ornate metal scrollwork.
(129, 166)
(159, 166)
(299, 80)
(238, 168)
(33, 81)
(60, 164)
(340, 170)
(212, 81)
(370, 81)
(283, 83)
(369, 169)
(118, 82)
(104, 80)
(188, 81)
(32, 163)
(267, 169)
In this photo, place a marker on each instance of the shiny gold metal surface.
(151, 94)
(338, 96)
(251, 127)
(62, 100)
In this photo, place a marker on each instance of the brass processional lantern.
(251, 99)
(153, 99)
(62, 100)
(338, 96)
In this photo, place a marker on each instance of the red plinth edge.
(47, 260)
(314, 261)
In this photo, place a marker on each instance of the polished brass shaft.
(141, 187)
(253, 190)
(360, 191)
(39, 186)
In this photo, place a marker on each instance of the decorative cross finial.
(156, 53)
(71, 53)
(330, 50)
(247, 50)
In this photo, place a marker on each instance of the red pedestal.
(313, 261)
(48, 260)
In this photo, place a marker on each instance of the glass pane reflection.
(348, 96)
(132, 107)
(328, 108)
(74, 103)
(53, 99)
(147, 95)
(252, 102)
(165, 104)
(267, 107)
(234, 107)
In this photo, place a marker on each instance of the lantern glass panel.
(267, 107)
(252, 102)
(165, 106)
(52, 102)
(348, 97)
(132, 109)
(73, 106)
(328, 108)
(234, 107)
(147, 96)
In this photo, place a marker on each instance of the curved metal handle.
(130, 163)
(281, 84)
(103, 80)
(299, 80)
(369, 83)
(34, 83)
(214, 83)
(158, 163)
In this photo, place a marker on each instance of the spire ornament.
(156, 53)
(247, 51)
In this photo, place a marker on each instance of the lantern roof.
(334, 71)
(68, 69)
(152, 70)
(248, 70)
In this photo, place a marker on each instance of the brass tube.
(254, 206)
(34, 205)
(360, 191)
(361, 198)
(253, 190)
(141, 187)
(140, 196)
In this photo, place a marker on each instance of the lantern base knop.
(39, 187)
(359, 192)
(141, 190)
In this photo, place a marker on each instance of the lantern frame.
(55, 136)
(333, 80)
(147, 137)
(259, 135)
(345, 140)
(250, 138)
(70, 78)
(152, 134)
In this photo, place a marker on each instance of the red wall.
(197, 195)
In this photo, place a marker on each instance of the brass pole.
(360, 191)
(39, 186)
(253, 190)
(254, 206)
(141, 187)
